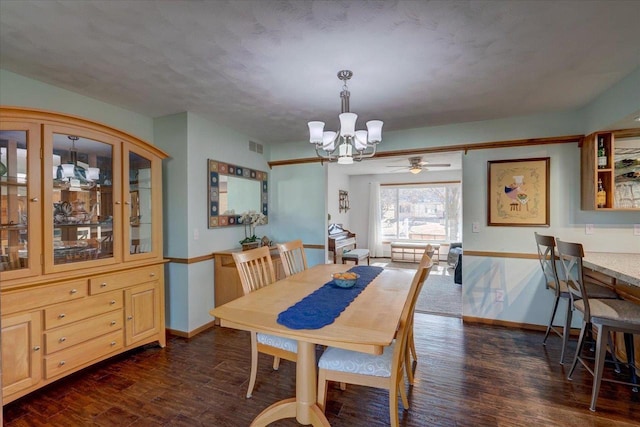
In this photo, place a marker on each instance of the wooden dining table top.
(368, 324)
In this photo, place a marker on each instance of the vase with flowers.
(251, 220)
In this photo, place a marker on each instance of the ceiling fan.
(416, 165)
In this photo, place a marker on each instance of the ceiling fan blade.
(437, 165)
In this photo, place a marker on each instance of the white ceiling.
(267, 67)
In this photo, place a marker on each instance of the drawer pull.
(35, 199)
(118, 202)
(74, 291)
(152, 275)
(113, 322)
(61, 316)
(112, 302)
(62, 362)
(36, 348)
(103, 284)
(62, 339)
(129, 317)
(113, 343)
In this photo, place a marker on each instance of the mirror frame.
(215, 169)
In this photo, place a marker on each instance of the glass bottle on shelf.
(82, 202)
(601, 195)
(602, 153)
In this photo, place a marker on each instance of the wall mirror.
(234, 190)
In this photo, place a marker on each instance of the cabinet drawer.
(71, 358)
(110, 282)
(28, 299)
(76, 333)
(69, 312)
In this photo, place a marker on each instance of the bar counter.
(625, 267)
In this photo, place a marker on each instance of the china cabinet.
(81, 266)
(610, 170)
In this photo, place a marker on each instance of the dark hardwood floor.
(467, 375)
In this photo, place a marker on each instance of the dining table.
(368, 324)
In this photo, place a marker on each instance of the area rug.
(439, 295)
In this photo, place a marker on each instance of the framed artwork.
(518, 192)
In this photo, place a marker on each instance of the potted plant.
(251, 220)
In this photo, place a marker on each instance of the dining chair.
(293, 257)
(381, 371)
(605, 315)
(255, 269)
(411, 356)
(548, 261)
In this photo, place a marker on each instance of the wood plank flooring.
(467, 375)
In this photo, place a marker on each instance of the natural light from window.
(422, 212)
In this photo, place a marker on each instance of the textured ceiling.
(267, 67)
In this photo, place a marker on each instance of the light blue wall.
(299, 206)
(191, 140)
(19, 91)
(621, 101)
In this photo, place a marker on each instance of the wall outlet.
(589, 229)
(475, 227)
(499, 295)
(636, 229)
(196, 234)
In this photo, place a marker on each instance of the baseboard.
(511, 325)
(192, 333)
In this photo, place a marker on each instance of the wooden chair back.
(406, 319)
(255, 268)
(547, 256)
(293, 257)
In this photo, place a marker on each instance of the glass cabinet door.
(83, 198)
(19, 203)
(142, 212)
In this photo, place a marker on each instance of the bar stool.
(547, 256)
(605, 315)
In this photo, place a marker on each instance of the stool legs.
(566, 329)
(631, 359)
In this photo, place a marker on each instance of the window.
(421, 211)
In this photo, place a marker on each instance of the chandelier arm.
(363, 155)
(328, 156)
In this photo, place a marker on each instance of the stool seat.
(356, 255)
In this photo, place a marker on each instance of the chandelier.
(348, 144)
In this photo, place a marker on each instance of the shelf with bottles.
(610, 170)
(604, 148)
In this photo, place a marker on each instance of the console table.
(226, 281)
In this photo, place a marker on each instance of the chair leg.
(393, 406)
(407, 367)
(412, 345)
(601, 352)
(566, 331)
(585, 326)
(254, 364)
(403, 396)
(553, 316)
(322, 390)
(276, 363)
(631, 359)
(613, 354)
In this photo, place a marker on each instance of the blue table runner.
(321, 307)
